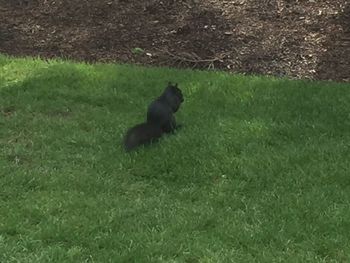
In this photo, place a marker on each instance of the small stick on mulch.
(194, 59)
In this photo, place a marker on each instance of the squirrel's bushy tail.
(141, 134)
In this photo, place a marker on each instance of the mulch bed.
(307, 39)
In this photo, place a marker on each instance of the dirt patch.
(295, 38)
(8, 111)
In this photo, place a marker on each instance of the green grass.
(260, 171)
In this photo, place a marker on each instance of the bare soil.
(307, 39)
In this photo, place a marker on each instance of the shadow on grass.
(77, 115)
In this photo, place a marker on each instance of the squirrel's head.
(174, 96)
(174, 89)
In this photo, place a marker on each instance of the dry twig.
(194, 59)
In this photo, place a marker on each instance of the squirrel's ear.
(176, 85)
(169, 83)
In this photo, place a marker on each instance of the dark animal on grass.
(160, 119)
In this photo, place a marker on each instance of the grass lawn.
(260, 171)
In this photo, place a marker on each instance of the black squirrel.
(160, 119)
